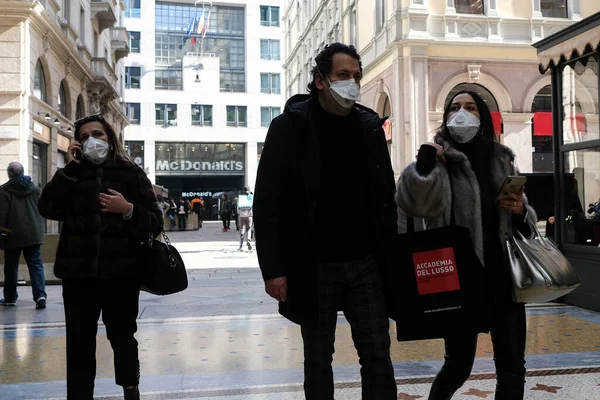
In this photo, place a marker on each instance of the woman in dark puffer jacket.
(108, 208)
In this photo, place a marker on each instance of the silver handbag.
(540, 272)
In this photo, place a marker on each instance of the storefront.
(571, 56)
(200, 169)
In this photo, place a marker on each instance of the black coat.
(288, 187)
(96, 244)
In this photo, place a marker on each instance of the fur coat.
(96, 244)
(430, 197)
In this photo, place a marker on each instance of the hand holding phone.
(74, 152)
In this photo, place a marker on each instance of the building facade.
(416, 53)
(200, 96)
(59, 61)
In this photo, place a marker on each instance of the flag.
(200, 27)
(190, 27)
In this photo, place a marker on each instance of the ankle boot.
(132, 394)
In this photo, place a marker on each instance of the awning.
(542, 124)
(497, 120)
(569, 43)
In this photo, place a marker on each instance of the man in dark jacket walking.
(24, 228)
(321, 144)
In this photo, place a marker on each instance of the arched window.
(387, 107)
(80, 111)
(63, 102)
(485, 94)
(542, 100)
(39, 82)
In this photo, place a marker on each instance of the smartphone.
(78, 154)
(512, 184)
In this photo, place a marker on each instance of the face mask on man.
(346, 93)
(95, 150)
(463, 126)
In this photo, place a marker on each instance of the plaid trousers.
(356, 289)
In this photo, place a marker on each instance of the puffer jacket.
(95, 244)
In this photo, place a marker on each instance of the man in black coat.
(324, 147)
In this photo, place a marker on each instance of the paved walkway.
(222, 340)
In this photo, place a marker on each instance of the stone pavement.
(222, 340)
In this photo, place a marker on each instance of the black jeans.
(182, 219)
(356, 288)
(84, 299)
(226, 220)
(508, 337)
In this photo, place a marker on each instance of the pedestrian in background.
(105, 222)
(235, 214)
(226, 212)
(244, 212)
(171, 213)
(24, 230)
(198, 207)
(465, 167)
(323, 142)
(183, 210)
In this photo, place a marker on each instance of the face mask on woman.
(463, 126)
(95, 150)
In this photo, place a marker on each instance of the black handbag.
(436, 287)
(162, 268)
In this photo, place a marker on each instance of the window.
(39, 82)
(168, 79)
(135, 151)
(176, 18)
(353, 32)
(236, 116)
(541, 124)
(267, 114)
(133, 77)
(554, 8)
(133, 113)
(66, 10)
(233, 82)
(270, 83)
(169, 49)
(166, 114)
(134, 41)
(380, 15)
(269, 49)
(269, 16)
(469, 6)
(80, 110)
(63, 104)
(82, 26)
(582, 191)
(133, 8)
(580, 101)
(201, 115)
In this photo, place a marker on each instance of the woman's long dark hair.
(486, 135)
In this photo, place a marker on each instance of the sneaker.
(5, 303)
(41, 303)
(131, 394)
(249, 246)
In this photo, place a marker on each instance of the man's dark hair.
(324, 63)
(15, 170)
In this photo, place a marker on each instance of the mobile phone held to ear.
(512, 184)
(78, 154)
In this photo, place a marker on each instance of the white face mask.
(463, 126)
(346, 93)
(95, 150)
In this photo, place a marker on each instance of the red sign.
(436, 271)
(387, 128)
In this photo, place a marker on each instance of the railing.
(102, 70)
(120, 35)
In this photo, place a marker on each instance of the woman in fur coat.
(466, 167)
(109, 208)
